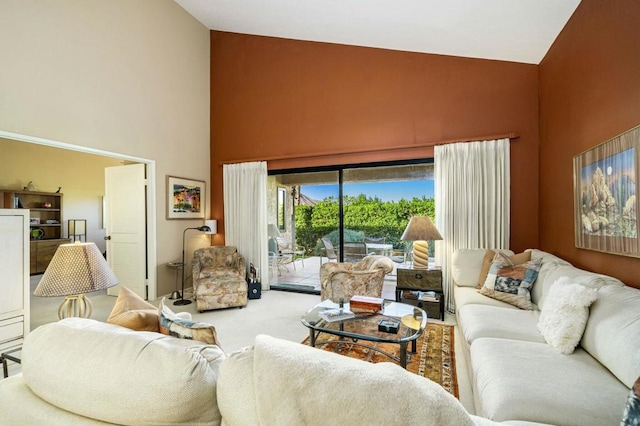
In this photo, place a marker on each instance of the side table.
(14, 355)
(421, 280)
(177, 266)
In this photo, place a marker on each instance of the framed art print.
(185, 198)
(606, 206)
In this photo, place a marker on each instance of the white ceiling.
(508, 30)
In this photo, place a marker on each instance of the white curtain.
(472, 201)
(245, 213)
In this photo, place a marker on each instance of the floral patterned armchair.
(219, 278)
(341, 281)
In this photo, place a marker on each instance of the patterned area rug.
(434, 358)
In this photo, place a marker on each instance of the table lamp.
(75, 269)
(420, 229)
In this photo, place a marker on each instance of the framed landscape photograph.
(606, 205)
(185, 198)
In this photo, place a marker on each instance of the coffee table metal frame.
(365, 327)
(8, 356)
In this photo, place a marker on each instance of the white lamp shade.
(213, 226)
(76, 269)
(421, 228)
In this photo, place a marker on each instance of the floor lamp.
(210, 227)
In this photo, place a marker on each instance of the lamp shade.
(76, 269)
(421, 228)
(212, 225)
(273, 231)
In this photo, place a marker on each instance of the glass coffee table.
(411, 323)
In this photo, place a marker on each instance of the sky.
(386, 191)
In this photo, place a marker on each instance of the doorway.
(150, 202)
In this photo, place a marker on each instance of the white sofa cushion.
(577, 275)
(470, 296)
(477, 321)
(295, 384)
(517, 380)
(466, 265)
(612, 334)
(564, 316)
(549, 263)
(114, 374)
(20, 406)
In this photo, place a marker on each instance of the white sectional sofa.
(516, 375)
(84, 372)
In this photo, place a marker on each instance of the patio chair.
(374, 240)
(354, 252)
(332, 254)
(341, 281)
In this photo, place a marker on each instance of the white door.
(125, 222)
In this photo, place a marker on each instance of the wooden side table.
(421, 280)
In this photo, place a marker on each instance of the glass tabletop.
(365, 324)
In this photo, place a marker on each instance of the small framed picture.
(34, 221)
(186, 198)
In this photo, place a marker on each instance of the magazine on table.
(337, 314)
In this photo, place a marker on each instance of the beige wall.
(130, 77)
(80, 175)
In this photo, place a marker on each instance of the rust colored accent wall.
(307, 103)
(589, 93)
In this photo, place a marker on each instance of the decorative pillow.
(631, 415)
(511, 283)
(173, 324)
(516, 259)
(565, 313)
(133, 312)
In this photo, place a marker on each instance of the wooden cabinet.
(45, 224)
(14, 264)
(421, 280)
(42, 252)
(45, 209)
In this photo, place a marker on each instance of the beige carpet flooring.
(277, 314)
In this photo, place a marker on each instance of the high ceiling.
(508, 30)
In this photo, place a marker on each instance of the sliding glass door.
(347, 212)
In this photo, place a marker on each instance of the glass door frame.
(340, 169)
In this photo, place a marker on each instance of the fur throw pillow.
(565, 313)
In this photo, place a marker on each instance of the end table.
(421, 280)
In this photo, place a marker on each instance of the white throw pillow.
(565, 313)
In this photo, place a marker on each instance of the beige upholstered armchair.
(341, 281)
(219, 278)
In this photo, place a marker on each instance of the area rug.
(434, 358)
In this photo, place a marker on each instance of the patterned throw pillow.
(516, 259)
(133, 312)
(173, 324)
(631, 415)
(511, 283)
(565, 313)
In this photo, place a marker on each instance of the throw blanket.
(293, 384)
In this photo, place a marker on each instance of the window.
(282, 196)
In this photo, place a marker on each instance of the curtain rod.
(381, 149)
